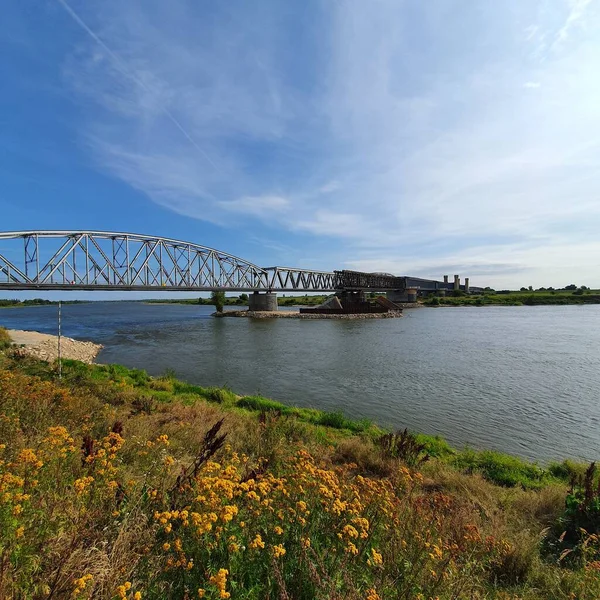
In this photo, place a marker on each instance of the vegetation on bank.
(242, 300)
(528, 297)
(6, 303)
(114, 484)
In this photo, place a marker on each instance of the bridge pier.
(266, 302)
(407, 295)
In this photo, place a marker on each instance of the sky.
(416, 138)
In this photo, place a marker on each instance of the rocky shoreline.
(45, 347)
(288, 314)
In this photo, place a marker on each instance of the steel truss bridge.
(101, 260)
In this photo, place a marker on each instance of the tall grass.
(105, 497)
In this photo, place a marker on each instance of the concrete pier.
(466, 285)
(457, 282)
(266, 302)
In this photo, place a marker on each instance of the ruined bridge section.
(101, 260)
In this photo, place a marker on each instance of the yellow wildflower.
(257, 542)
(220, 582)
(278, 550)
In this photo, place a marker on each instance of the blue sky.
(412, 137)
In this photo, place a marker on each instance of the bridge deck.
(100, 260)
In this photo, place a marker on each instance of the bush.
(5, 341)
(404, 446)
(576, 536)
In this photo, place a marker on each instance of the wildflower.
(229, 512)
(350, 531)
(28, 456)
(351, 548)
(82, 484)
(220, 582)
(257, 542)
(137, 596)
(278, 550)
(375, 559)
(81, 583)
(278, 530)
(201, 592)
(163, 439)
(19, 532)
(123, 589)
(372, 595)
(166, 546)
(305, 542)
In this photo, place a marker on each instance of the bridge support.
(266, 302)
(407, 295)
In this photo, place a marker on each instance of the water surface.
(523, 380)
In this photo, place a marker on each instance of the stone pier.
(262, 302)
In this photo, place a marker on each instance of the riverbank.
(182, 490)
(521, 298)
(45, 347)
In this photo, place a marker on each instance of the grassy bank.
(242, 300)
(13, 303)
(520, 298)
(114, 484)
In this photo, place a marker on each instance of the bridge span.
(101, 260)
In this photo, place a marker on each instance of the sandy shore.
(289, 314)
(45, 347)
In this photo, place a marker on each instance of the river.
(523, 380)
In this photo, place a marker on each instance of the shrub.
(404, 446)
(5, 341)
(576, 535)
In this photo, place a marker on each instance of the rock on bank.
(288, 314)
(45, 347)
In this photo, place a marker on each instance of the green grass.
(518, 298)
(501, 469)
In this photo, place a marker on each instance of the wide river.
(523, 380)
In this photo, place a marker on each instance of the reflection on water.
(523, 380)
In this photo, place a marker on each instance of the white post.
(59, 348)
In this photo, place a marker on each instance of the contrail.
(122, 67)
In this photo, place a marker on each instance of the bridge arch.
(104, 260)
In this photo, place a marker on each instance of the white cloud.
(268, 207)
(390, 130)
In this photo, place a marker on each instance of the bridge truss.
(100, 260)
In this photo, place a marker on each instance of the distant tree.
(571, 286)
(584, 287)
(530, 288)
(523, 289)
(550, 289)
(218, 299)
(243, 298)
(542, 289)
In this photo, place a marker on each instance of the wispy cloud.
(386, 128)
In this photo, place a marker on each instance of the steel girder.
(100, 260)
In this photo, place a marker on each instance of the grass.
(114, 484)
(518, 298)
